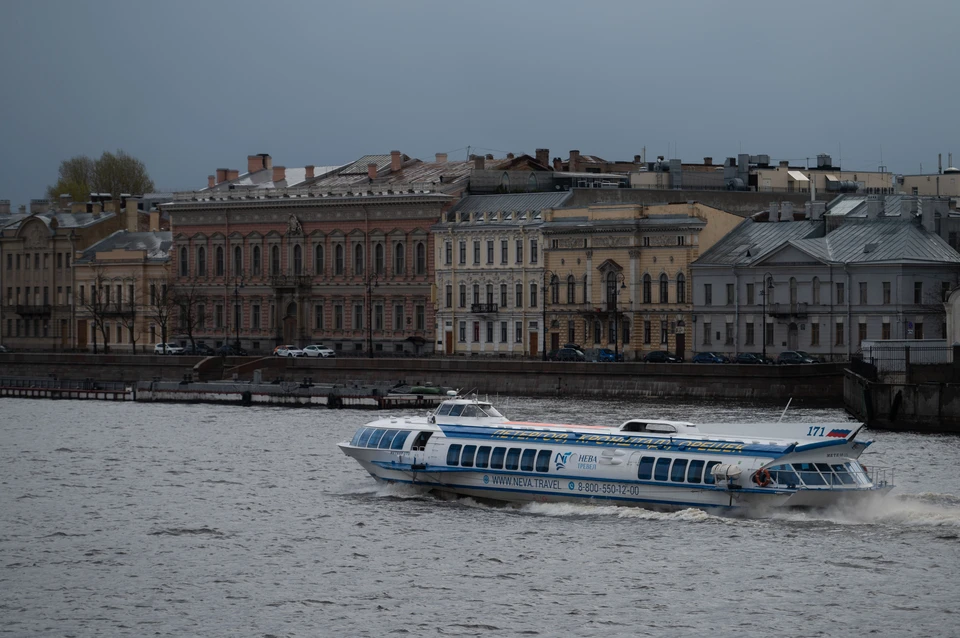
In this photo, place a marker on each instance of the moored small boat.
(467, 448)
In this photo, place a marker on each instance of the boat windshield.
(476, 410)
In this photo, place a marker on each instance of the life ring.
(762, 477)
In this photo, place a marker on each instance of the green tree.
(114, 173)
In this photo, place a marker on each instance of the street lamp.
(373, 281)
(614, 289)
(237, 285)
(767, 283)
(550, 286)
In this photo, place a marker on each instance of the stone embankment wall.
(821, 383)
(924, 407)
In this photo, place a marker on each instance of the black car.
(661, 356)
(753, 358)
(228, 350)
(795, 357)
(201, 349)
(570, 354)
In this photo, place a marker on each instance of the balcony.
(34, 311)
(787, 310)
(290, 281)
(483, 308)
(118, 310)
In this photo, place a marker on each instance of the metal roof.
(751, 241)
(513, 202)
(156, 244)
(798, 176)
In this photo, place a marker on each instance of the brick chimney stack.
(372, 170)
(441, 158)
(708, 161)
(65, 200)
(395, 161)
(4, 206)
(211, 180)
(221, 175)
(267, 161)
(557, 164)
(478, 162)
(574, 166)
(543, 156)
(309, 170)
(131, 215)
(232, 174)
(279, 173)
(154, 221)
(254, 163)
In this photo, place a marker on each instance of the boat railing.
(846, 478)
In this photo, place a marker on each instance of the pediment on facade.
(274, 235)
(608, 265)
(217, 236)
(377, 233)
(356, 233)
(396, 232)
(199, 237)
(418, 232)
(337, 234)
(254, 235)
(789, 254)
(317, 235)
(236, 236)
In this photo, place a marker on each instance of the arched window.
(571, 289)
(664, 288)
(237, 260)
(358, 259)
(184, 262)
(421, 257)
(297, 260)
(490, 294)
(816, 291)
(201, 261)
(476, 293)
(378, 258)
(275, 260)
(256, 260)
(338, 260)
(611, 288)
(681, 288)
(647, 293)
(463, 295)
(399, 259)
(318, 259)
(219, 261)
(554, 289)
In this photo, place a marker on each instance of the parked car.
(570, 354)
(795, 357)
(661, 356)
(574, 346)
(231, 350)
(288, 351)
(3, 349)
(319, 350)
(751, 357)
(606, 354)
(201, 349)
(167, 348)
(710, 357)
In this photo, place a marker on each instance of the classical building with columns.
(617, 276)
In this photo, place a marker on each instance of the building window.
(503, 295)
(237, 260)
(448, 253)
(647, 285)
(518, 295)
(749, 336)
(533, 295)
(421, 258)
(626, 331)
(476, 293)
(681, 288)
(490, 294)
(571, 289)
(255, 316)
(707, 294)
(646, 332)
(398, 317)
(358, 259)
(815, 291)
(358, 316)
(201, 261)
(503, 332)
(839, 331)
(184, 262)
(378, 259)
(555, 289)
(706, 333)
(861, 332)
(918, 292)
(863, 292)
(768, 333)
(571, 332)
(885, 330)
(918, 330)
(729, 334)
(815, 334)
(297, 260)
(463, 295)
(378, 317)
(840, 295)
(664, 288)
(533, 251)
(597, 332)
(219, 261)
(489, 251)
(476, 252)
(399, 259)
(318, 259)
(518, 331)
(218, 316)
(944, 291)
(275, 260)
(476, 332)
(462, 257)
(489, 332)
(256, 260)
(338, 317)
(504, 256)
(448, 295)
(337, 259)
(519, 251)
(663, 334)
(729, 294)
(462, 334)
(421, 317)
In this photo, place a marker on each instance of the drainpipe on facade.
(736, 311)
(832, 320)
(849, 330)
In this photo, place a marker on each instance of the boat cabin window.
(420, 442)
(662, 470)
(490, 410)
(678, 471)
(364, 437)
(695, 472)
(387, 439)
(472, 410)
(843, 474)
(468, 452)
(526, 461)
(708, 476)
(444, 409)
(783, 475)
(483, 456)
(399, 439)
(375, 438)
(543, 460)
(455, 410)
(640, 426)
(645, 471)
(808, 474)
(496, 459)
(513, 458)
(453, 454)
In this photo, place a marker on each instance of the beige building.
(618, 276)
(120, 283)
(945, 185)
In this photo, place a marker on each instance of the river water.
(125, 519)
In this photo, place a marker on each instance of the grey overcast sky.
(190, 86)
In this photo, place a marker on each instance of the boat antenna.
(785, 410)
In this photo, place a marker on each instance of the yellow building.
(120, 283)
(618, 276)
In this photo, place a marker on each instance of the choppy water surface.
(176, 520)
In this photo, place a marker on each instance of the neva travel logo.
(561, 459)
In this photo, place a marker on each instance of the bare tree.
(161, 307)
(186, 298)
(96, 304)
(127, 317)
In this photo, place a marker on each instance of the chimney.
(817, 209)
(221, 175)
(372, 170)
(5, 206)
(39, 206)
(279, 174)
(574, 166)
(557, 164)
(64, 202)
(267, 161)
(638, 159)
(211, 180)
(232, 174)
(786, 212)
(543, 156)
(441, 158)
(23, 209)
(784, 164)
(489, 156)
(395, 161)
(254, 163)
(927, 217)
(478, 162)
(131, 215)
(309, 170)
(774, 214)
(78, 207)
(154, 221)
(708, 161)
